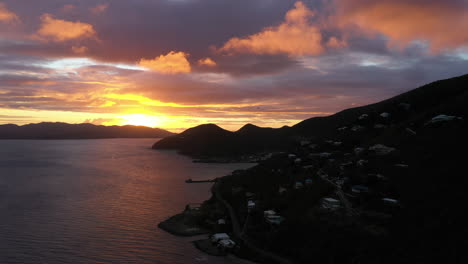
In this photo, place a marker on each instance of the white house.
(363, 116)
(358, 189)
(391, 201)
(381, 149)
(219, 236)
(385, 115)
(226, 243)
(298, 185)
(250, 205)
(330, 203)
(274, 219)
(268, 213)
(282, 190)
(443, 118)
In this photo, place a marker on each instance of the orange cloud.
(442, 23)
(62, 30)
(171, 63)
(295, 36)
(6, 15)
(99, 9)
(206, 62)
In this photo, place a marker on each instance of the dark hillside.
(78, 131)
(408, 109)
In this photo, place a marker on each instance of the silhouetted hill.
(395, 171)
(78, 131)
(211, 140)
(411, 108)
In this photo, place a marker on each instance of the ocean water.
(97, 201)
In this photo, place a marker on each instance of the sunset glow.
(286, 61)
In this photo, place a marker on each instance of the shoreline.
(182, 224)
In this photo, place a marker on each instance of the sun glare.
(141, 120)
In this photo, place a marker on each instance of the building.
(218, 237)
(331, 203)
(226, 244)
(298, 185)
(359, 189)
(274, 219)
(250, 205)
(390, 201)
(308, 181)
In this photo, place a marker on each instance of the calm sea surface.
(97, 201)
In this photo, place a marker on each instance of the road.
(244, 238)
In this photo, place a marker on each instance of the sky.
(175, 64)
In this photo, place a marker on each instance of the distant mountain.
(446, 96)
(211, 140)
(78, 131)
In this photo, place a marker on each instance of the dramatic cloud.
(6, 15)
(441, 23)
(271, 63)
(62, 30)
(295, 36)
(173, 62)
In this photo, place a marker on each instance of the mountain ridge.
(440, 96)
(60, 130)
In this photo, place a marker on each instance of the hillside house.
(218, 237)
(330, 203)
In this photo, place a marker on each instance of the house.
(385, 115)
(342, 128)
(380, 126)
(330, 203)
(443, 118)
(359, 189)
(357, 128)
(325, 155)
(268, 213)
(304, 143)
(297, 161)
(282, 190)
(381, 150)
(363, 117)
(337, 143)
(292, 156)
(358, 151)
(390, 201)
(308, 181)
(274, 219)
(249, 195)
(307, 167)
(226, 244)
(250, 205)
(298, 185)
(221, 221)
(218, 237)
(362, 163)
(402, 166)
